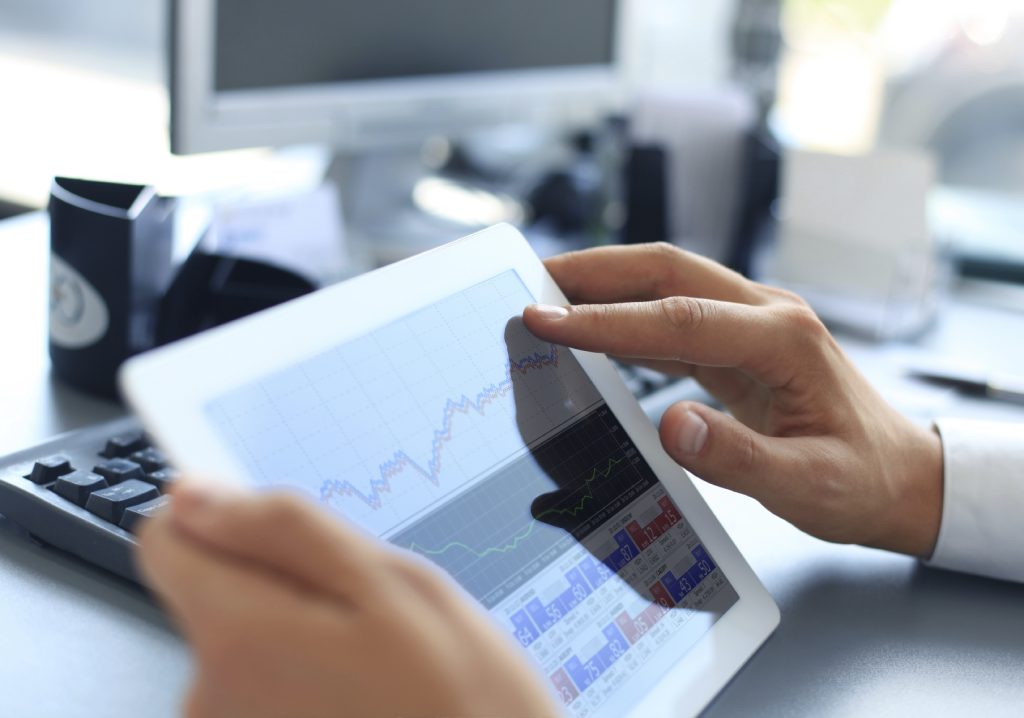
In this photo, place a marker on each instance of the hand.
(293, 614)
(808, 436)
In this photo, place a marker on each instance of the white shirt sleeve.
(982, 529)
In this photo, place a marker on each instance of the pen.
(1002, 387)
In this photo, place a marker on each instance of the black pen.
(1001, 387)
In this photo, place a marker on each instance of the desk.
(863, 632)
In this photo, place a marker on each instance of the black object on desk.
(212, 289)
(998, 387)
(646, 181)
(111, 293)
(110, 263)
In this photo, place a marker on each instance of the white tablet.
(413, 402)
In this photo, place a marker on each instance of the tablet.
(413, 402)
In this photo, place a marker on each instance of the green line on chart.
(525, 534)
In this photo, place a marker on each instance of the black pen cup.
(110, 261)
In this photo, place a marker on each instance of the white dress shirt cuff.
(982, 529)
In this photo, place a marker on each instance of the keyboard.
(86, 492)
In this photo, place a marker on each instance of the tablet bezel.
(169, 387)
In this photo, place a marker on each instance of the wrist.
(916, 512)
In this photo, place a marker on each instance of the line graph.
(499, 533)
(516, 540)
(400, 460)
(386, 425)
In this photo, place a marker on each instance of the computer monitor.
(359, 75)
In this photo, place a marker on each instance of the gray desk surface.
(863, 632)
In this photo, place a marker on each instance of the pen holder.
(110, 261)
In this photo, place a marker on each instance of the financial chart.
(455, 433)
(387, 425)
(496, 536)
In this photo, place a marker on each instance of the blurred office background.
(84, 88)
(83, 92)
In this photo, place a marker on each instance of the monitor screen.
(264, 44)
(387, 74)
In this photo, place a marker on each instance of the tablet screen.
(455, 433)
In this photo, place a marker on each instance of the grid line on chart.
(411, 414)
(401, 460)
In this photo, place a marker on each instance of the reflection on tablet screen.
(455, 433)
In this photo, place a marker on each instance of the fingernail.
(693, 434)
(550, 312)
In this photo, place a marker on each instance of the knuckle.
(665, 250)
(664, 261)
(777, 295)
(413, 571)
(686, 312)
(802, 322)
(285, 510)
(596, 314)
(423, 579)
(748, 453)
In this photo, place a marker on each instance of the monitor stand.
(399, 202)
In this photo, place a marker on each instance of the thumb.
(278, 532)
(722, 451)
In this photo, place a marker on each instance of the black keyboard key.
(117, 470)
(77, 486)
(162, 478)
(110, 503)
(149, 459)
(49, 469)
(134, 515)
(124, 445)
